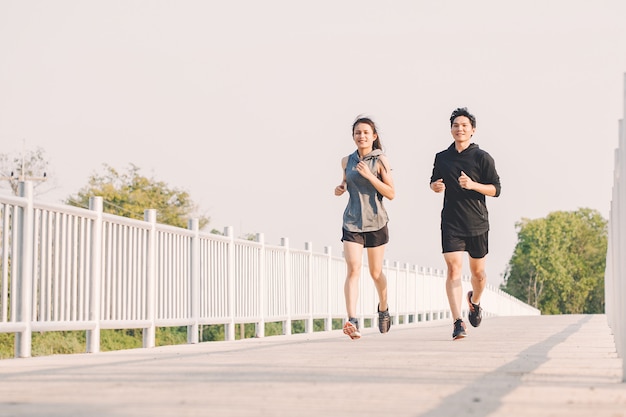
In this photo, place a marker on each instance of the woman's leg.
(353, 253)
(375, 258)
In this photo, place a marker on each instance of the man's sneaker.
(384, 321)
(351, 328)
(475, 315)
(459, 330)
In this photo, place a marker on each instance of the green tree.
(558, 263)
(128, 194)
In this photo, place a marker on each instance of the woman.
(367, 178)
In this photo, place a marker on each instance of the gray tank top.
(365, 211)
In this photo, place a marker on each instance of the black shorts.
(367, 239)
(476, 246)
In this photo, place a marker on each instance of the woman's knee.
(353, 270)
(377, 274)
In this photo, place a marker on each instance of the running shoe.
(351, 328)
(384, 321)
(459, 330)
(475, 315)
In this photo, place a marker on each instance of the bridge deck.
(510, 366)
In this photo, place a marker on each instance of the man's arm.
(468, 184)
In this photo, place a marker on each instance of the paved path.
(514, 367)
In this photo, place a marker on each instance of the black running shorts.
(367, 239)
(476, 246)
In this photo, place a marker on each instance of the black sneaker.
(475, 315)
(459, 330)
(384, 321)
(351, 328)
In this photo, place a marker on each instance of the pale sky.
(248, 105)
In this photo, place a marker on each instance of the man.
(466, 174)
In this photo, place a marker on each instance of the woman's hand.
(340, 189)
(364, 170)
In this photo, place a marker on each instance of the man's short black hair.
(462, 111)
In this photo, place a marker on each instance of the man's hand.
(438, 186)
(466, 182)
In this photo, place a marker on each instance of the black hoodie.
(465, 211)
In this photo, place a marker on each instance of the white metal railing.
(69, 268)
(615, 287)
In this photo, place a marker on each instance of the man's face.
(462, 129)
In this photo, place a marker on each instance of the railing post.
(229, 328)
(419, 295)
(308, 246)
(406, 294)
(259, 327)
(24, 281)
(619, 289)
(194, 296)
(412, 275)
(149, 333)
(93, 336)
(420, 311)
(287, 323)
(328, 323)
(428, 289)
(616, 298)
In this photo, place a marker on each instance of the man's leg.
(454, 289)
(479, 281)
(479, 278)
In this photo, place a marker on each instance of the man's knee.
(479, 274)
(454, 268)
(454, 274)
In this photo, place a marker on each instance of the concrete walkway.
(510, 366)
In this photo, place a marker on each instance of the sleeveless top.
(365, 211)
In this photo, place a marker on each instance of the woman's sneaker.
(459, 330)
(384, 321)
(475, 315)
(351, 328)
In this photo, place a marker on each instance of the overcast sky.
(248, 105)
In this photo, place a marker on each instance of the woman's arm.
(341, 188)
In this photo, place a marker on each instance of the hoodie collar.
(373, 154)
(452, 148)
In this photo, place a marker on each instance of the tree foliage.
(129, 194)
(558, 263)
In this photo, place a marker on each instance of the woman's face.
(364, 136)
